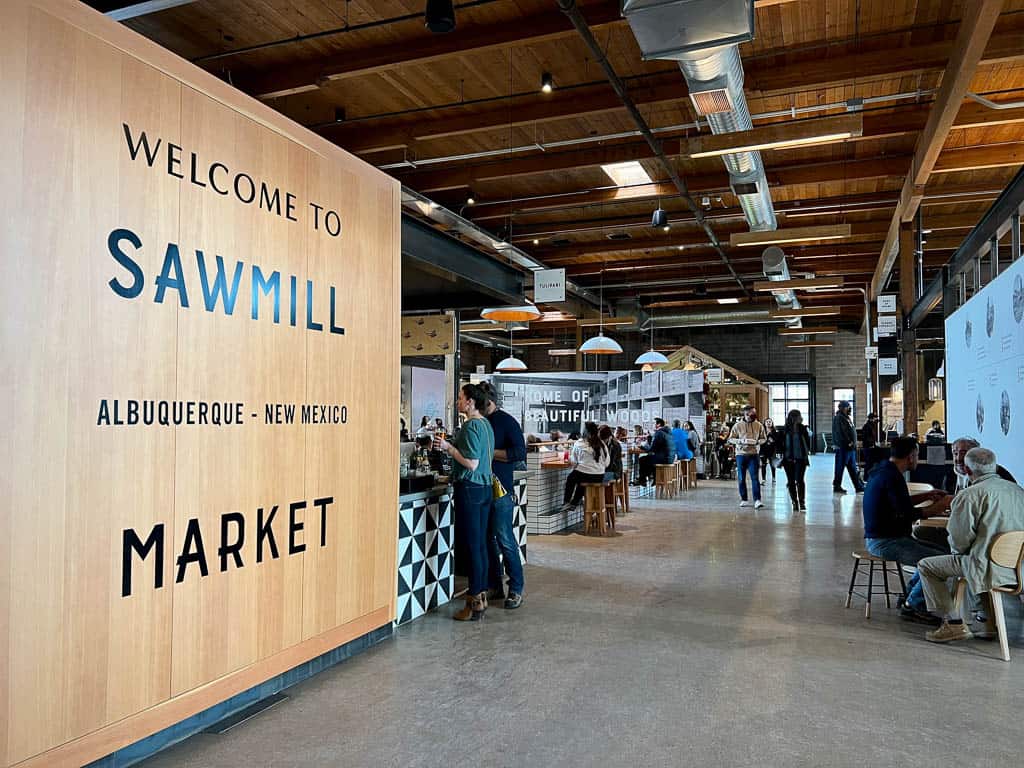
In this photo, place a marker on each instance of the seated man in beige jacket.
(988, 507)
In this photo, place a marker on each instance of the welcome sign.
(194, 292)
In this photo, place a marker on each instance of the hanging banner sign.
(887, 325)
(427, 335)
(888, 366)
(714, 375)
(549, 285)
(870, 353)
(887, 303)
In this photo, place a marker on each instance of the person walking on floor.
(472, 455)
(844, 440)
(988, 507)
(770, 448)
(796, 456)
(589, 460)
(748, 436)
(869, 443)
(502, 545)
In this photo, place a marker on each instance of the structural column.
(908, 340)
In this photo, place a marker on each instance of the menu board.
(985, 368)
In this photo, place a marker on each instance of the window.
(784, 397)
(844, 393)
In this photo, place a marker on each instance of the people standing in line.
(889, 514)
(589, 458)
(769, 449)
(614, 469)
(796, 456)
(472, 456)
(681, 439)
(844, 441)
(748, 436)
(660, 450)
(978, 514)
(502, 544)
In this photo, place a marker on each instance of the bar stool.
(860, 556)
(616, 492)
(664, 480)
(691, 473)
(594, 507)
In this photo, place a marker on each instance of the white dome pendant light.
(600, 344)
(651, 357)
(510, 364)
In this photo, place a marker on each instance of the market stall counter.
(426, 538)
(547, 472)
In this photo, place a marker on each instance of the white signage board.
(888, 366)
(887, 303)
(887, 325)
(870, 353)
(549, 285)
(714, 375)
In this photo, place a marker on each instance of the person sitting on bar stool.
(660, 450)
(614, 469)
(889, 514)
(589, 459)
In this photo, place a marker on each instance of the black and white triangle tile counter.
(426, 540)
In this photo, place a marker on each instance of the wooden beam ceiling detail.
(967, 51)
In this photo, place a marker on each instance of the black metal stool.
(860, 556)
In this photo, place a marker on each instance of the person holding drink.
(472, 454)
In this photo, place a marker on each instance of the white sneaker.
(744, 503)
(758, 504)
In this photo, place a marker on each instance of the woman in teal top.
(472, 454)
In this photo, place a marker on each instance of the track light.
(660, 218)
(547, 83)
(439, 16)
(470, 200)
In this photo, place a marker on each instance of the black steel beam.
(994, 224)
(470, 270)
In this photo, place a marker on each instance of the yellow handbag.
(497, 489)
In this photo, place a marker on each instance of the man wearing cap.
(844, 439)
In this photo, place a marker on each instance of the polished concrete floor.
(702, 635)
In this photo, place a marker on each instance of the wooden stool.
(623, 491)
(691, 473)
(860, 556)
(665, 480)
(616, 493)
(594, 507)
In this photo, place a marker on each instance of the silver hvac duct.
(703, 319)
(775, 269)
(703, 36)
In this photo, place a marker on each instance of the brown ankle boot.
(474, 608)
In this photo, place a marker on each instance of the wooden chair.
(595, 509)
(861, 556)
(1007, 550)
(665, 480)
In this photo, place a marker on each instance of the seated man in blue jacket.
(660, 450)
(889, 515)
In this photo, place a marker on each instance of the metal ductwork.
(703, 37)
(703, 319)
(775, 269)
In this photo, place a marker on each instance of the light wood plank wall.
(84, 671)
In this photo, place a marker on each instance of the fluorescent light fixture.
(535, 342)
(563, 352)
(781, 136)
(592, 321)
(804, 312)
(799, 284)
(814, 331)
(627, 174)
(731, 300)
(790, 235)
(805, 344)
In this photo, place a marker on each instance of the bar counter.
(545, 492)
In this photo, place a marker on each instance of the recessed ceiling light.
(627, 174)
(547, 83)
(536, 241)
(728, 301)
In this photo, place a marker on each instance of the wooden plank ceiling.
(418, 104)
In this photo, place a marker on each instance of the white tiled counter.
(545, 491)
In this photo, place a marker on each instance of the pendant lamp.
(510, 364)
(600, 344)
(650, 358)
(522, 313)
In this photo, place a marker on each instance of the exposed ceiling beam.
(967, 51)
(424, 48)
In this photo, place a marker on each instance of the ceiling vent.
(620, 236)
(712, 102)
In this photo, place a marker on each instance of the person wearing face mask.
(748, 436)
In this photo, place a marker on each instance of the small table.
(940, 521)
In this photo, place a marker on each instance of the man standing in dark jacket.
(509, 449)
(844, 440)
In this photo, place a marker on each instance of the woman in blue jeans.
(472, 454)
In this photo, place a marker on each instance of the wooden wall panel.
(83, 670)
